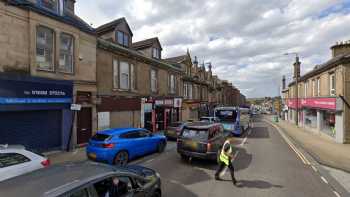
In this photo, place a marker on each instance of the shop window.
(154, 81)
(311, 118)
(66, 62)
(332, 84)
(328, 126)
(44, 48)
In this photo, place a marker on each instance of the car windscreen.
(226, 115)
(10, 159)
(100, 137)
(195, 134)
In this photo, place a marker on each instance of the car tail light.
(208, 147)
(45, 163)
(110, 145)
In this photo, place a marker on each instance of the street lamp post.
(296, 76)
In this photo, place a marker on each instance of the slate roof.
(146, 43)
(177, 59)
(335, 61)
(111, 25)
(67, 18)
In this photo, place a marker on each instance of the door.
(84, 125)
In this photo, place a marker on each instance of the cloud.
(244, 39)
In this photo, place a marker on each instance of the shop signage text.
(321, 103)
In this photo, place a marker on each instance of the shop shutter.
(36, 130)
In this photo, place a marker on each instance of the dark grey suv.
(85, 179)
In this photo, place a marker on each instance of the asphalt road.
(265, 166)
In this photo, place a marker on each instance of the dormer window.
(122, 38)
(156, 53)
(52, 5)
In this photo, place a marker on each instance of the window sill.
(123, 90)
(45, 70)
(67, 73)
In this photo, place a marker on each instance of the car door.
(149, 141)
(133, 143)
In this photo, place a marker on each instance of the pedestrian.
(225, 159)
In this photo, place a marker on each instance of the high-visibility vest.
(224, 158)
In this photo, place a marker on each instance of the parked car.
(85, 179)
(15, 160)
(174, 130)
(209, 119)
(118, 146)
(201, 140)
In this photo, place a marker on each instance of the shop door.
(84, 127)
(36, 130)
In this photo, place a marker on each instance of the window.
(156, 53)
(306, 87)
(79, 193)
(51, 5)
(154, 80)
(190, 93)
(115, 186)
(66, 53)
(185, 90)
(124, 76)
(10, 159)
(44, 48)
(115, 74)
(313, 88)
(332, 84)
(133, 77)
(172, 82)
(122, 38)
(318, 87)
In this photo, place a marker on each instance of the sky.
(245, 40)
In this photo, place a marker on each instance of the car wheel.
(161, 147)
(121, 159)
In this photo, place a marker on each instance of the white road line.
(324, 180)
(243, 142)
(149, 160)
(314, 168)
(336, 193)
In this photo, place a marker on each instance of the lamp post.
(296, 77)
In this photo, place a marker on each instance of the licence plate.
(191, 144)
(92, 155)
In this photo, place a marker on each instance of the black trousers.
(222, 166)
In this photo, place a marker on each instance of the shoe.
(234, 182)
(218, 178)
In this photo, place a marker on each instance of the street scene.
(174, 98)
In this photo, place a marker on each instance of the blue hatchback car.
(118, 146)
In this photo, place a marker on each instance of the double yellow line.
(292, 146)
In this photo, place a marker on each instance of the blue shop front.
(35, 112)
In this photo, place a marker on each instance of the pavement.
(324, 151)
(267, 165)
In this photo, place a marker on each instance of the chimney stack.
(297, 68)
(283, 82)
(195, 62)
(340, 48)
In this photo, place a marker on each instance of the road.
(265, 166)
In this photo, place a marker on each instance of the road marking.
(149, 160)
(291, 145)
(336, 193)
(243, 142)
(324, 180)
(314, 168)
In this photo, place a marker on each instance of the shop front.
(323, 115)
(157, 114)
(35, 112)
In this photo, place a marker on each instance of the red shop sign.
(323, 103)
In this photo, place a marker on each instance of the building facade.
(319, 101)
(44, 43)
(136, 87)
